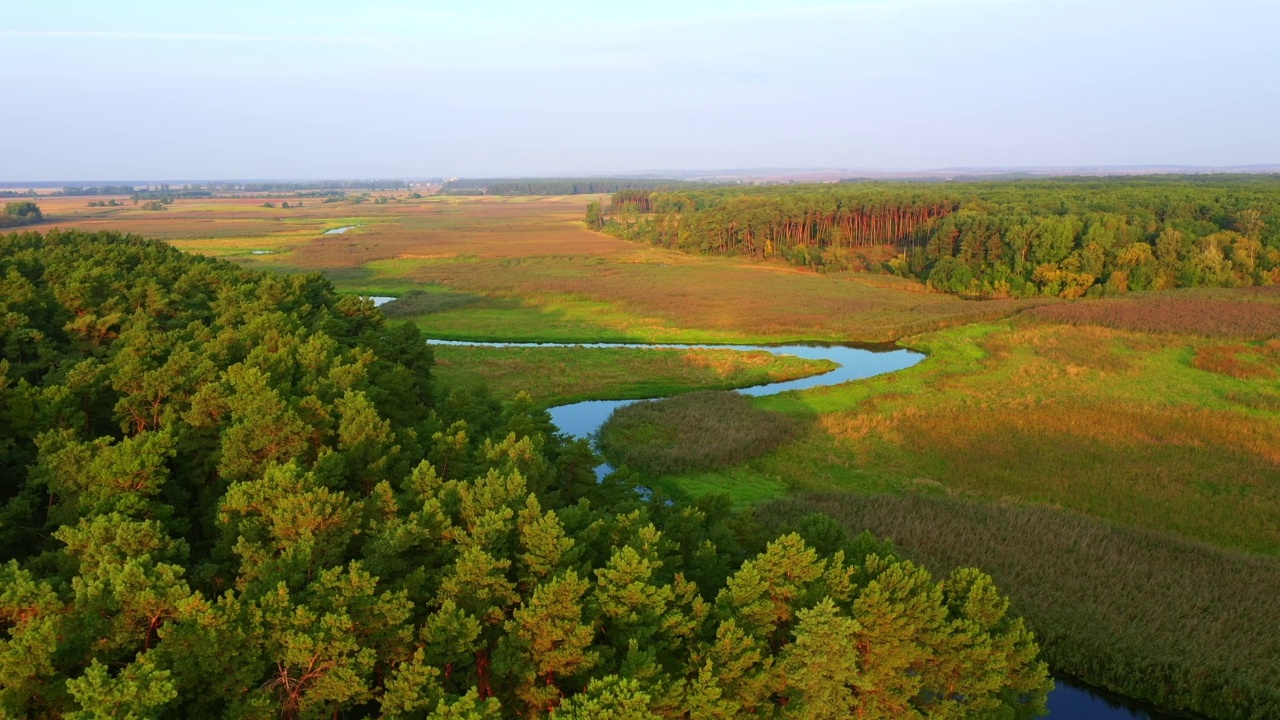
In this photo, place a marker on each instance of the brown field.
(199, 218)
(1239, 361)
(1245, 313)
(540, 268)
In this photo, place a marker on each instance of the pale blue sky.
(236, 89)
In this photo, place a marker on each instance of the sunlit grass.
(554, 375)
(1118, 425)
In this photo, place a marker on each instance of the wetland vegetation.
(698, 431)
(1105, 459)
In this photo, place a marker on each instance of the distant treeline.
(1067, 237)
(318, 188)
(73, 191)
(305, 186)
(562, 186)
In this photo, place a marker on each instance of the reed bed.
(1176, 623)
(692, 432)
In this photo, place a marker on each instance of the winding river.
(1068, 701)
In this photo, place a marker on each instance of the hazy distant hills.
(949, 173)
(764, 175)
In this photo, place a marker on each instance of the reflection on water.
(340, 230)
(379, 300)
(1072, 701)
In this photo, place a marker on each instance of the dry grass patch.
(535, 254)
(1239, 361)
(1058, 414)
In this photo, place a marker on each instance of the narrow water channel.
(1068, 700)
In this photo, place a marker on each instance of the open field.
(537, 274)
(556, 375)
(1123, 408)
(219, 226)
(1244, 313)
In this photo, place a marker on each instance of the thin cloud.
(879, 6)
(198, 37)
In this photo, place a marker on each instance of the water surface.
(1071, 700)
(340, 230)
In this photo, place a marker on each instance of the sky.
(235, 89)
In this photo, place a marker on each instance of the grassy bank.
(1125, 426)
(558, 375)
(1178, 624)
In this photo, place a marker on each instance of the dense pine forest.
(1064, 237)
(235, 494)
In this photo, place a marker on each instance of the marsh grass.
(1239, 361)
(1120, 425)
(1176, 623)
(415, 303)
(557, 375)
(697, 431)
(542, 273)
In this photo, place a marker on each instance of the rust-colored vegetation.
(532, 264)
(1239, 361)
(1247, 314)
